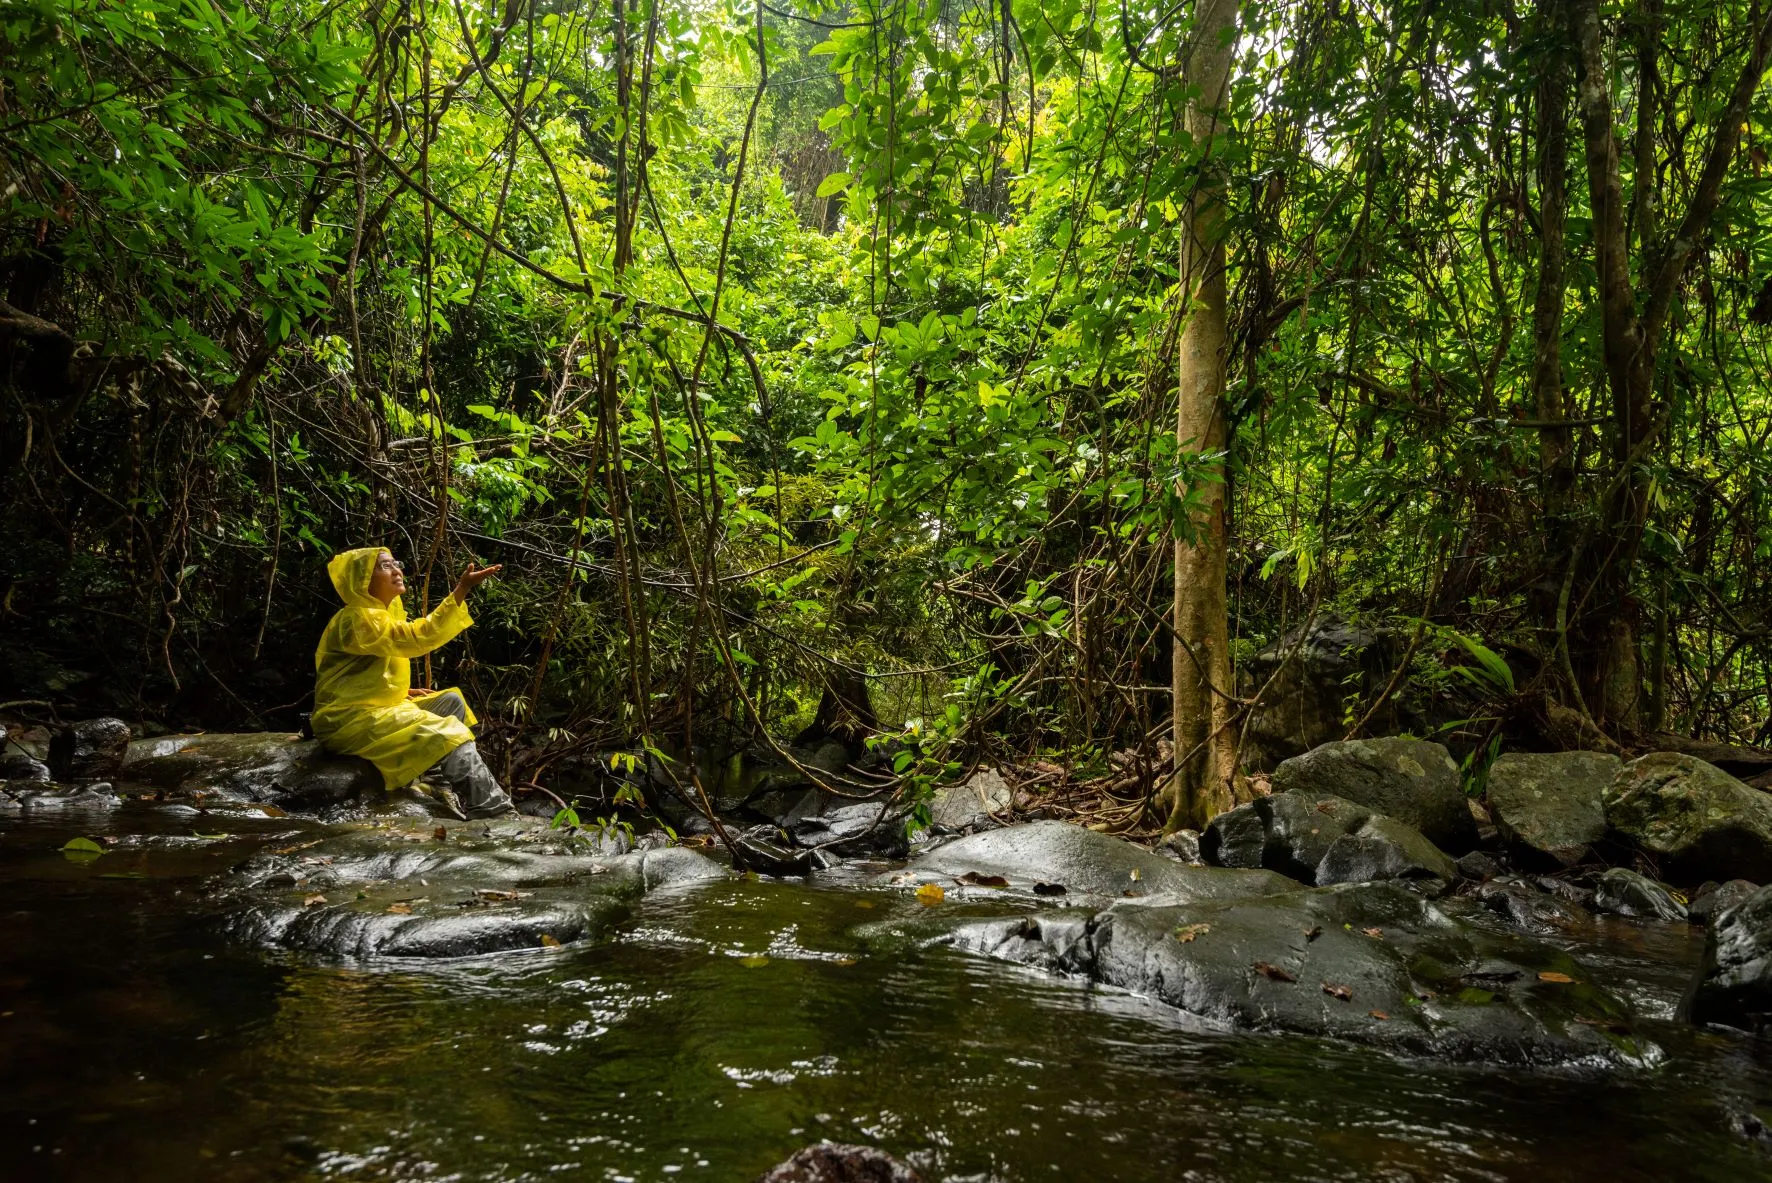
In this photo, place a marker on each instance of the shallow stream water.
(726, 1026)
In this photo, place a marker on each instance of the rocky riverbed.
(1331, 917)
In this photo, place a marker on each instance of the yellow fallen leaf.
(400, 909)
(930, 894)
(1188, 932)
(548, 942)
(1549, 976)
(864, 903)
(309, 901)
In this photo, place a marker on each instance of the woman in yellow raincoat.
(364, 703)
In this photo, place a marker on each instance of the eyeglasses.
(389, 565)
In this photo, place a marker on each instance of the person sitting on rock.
(364, 701)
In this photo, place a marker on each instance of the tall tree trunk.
(1603, 640)
(1205, 740)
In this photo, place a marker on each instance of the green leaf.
(835, 183)
(82, 846)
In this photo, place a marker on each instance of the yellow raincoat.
(363, 670)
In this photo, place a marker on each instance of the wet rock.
(1564, 890)
(1623, 892)
(1695, 821)
(1478, 867)
(1706, 906)
(977, 803)
(759, 852)
(1385, 848)
(1372, 962)
(833, 1162)
(861, 828)
(1407, 779)
(1548, 807)
(1533, 910)
(266, 767)
(89, 750)
(48, 796)
(1321, 839)
(1053, 854)
(1184, 846)
(451, 890)
(16, 766)
(1734, 983)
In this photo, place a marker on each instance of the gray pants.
(463, 769)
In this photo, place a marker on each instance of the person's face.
(387, 580)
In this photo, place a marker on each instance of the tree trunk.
(1205, 739)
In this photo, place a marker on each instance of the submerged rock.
(1623, 892)
(1527, 906)
(834, 1162)
(264, 767)
(1707, 905)
(452, 890)
(1372, 962)
(1408, 779)
(1734, 983)
(1695, 821)
(1322, 839)
(1067, 860)
(1548, 807)
(89, 750)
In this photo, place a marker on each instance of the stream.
(726, 1025)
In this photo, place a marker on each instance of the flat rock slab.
(453, 890)
(1408, 779)
(1549, 807)
(266, 767)
(1371, 962)
(1046, 855)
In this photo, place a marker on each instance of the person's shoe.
(503, 807)
(446, 797)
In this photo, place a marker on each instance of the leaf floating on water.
(1376, 934)
(1311, 934)
(864, 903)
(1273, 973)
(82, 846)
(977, 880)
(400, 909)
(1048, 889)
(494, 895)
(844, 961)
(1379, 1015)
(549, 942)
(310, 901)
(1135, 875)
(930, 894)
(208, 837)
(1560, 979)
(1341, 992)
(753, 961)
(1189, 932)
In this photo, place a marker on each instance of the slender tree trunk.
(1205, 740)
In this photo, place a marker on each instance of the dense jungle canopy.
(897, 366)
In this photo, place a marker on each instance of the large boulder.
(92, 749)
(451, 890)
(264, 767)
(1548, 807)
(1053, 858)
(1372, 962)
(1694, 820)
(1411, 780)
(1707, 905)
(974, 804)
(1323, 839)
(1305, 679)
(1734, 983)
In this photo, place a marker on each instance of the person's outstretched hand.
(472, 578)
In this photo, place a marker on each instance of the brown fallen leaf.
(1375, 933)
(400, 909)
(977, 880)
(1561, 979)
(1273, 973)
(1379, 1015)
(297, 846)
(494, 895)
(548, 942)
(310, 901)
(1189, 932)
(441, 834)
(1341, 992)
(1311, 934)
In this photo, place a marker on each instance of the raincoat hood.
(351, 571)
